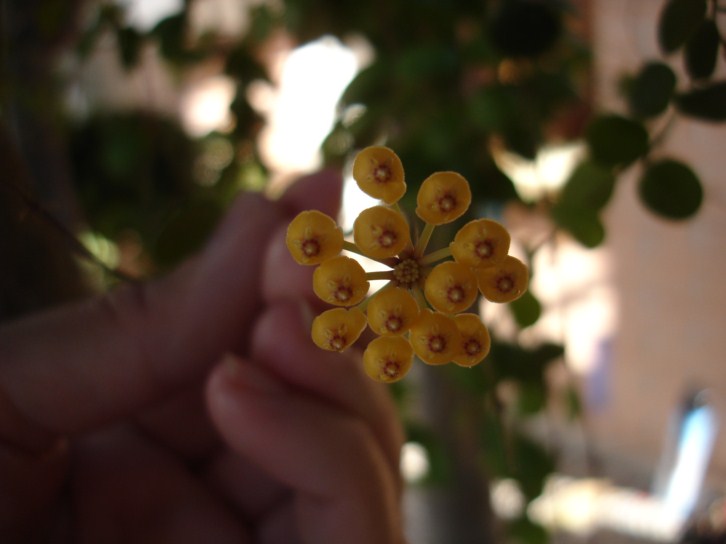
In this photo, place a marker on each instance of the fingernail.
(247, 376)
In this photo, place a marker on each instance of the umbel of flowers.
(421, 309)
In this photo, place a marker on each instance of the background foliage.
(451, 84)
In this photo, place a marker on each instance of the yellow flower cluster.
(421, 309)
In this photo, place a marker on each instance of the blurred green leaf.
(439, 462)
(186, 232)
(573, 403)
(679, 19)
(525, 28)
(590, 186)
(707, 103)
(532, 399)
(526, 309)
(701, 50)
(242, 65)
(650, 92)
(129, 42)
(524, 531)
(514, 362)
(583, 223)
(671, 189)
(532, 465)
(615, 140)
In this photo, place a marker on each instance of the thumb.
(77, 366)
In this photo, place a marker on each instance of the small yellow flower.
(480, 243)
(381, 233)
(379, 173)
(338, 328)
(435, 338)
(312, 237)
(504, 281)
(443, 198)
(475, 340)
(387, 359)
(392, 311)
(451, 287)
(340, 281)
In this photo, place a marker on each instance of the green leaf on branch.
(701, 50)
(651, 90)
(582, 223)
(616, 141)
(590, 186)
(706, 103)
(678, 21)
(671, 189)
(526, 309)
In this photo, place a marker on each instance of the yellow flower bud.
(392, 311)
(480, 243)
(380, 232)
(313, 237)
(338, 328)
(387, 359)
(443, 197)
(451, 287)
(435, 338)
(340, 281)
(504, 281)
(379, 173)
(475, 340)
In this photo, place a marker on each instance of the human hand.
(127, 418)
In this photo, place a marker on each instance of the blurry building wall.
(669, 277)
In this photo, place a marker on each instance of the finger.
(345, 489)
(77, 366)
(320, 191)
(29, 484)
(281, 342)
(245, 486)
(126, 486)
(283, 277)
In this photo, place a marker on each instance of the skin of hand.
(196, 408)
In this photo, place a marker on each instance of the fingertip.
(233, 376)
(283, 278)
(322, 191)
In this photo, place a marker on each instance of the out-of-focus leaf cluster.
(667, 186)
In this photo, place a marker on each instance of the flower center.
(311, 247)
(455, 294)
(382, 173)
(343, 293)
(394, 323)
(391, 369)
(406, 273)
(505, 284)
(387, 238)
(484, 249)
(472, 347)
(447, 203)
(337, 343)
(437, 344)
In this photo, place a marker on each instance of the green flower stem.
(420, 298)
(423, 241)
(435, 256)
